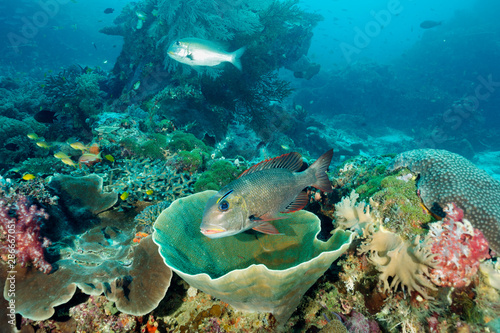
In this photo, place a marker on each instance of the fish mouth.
(212, 231)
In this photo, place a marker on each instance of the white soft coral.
(408, 263)
(352, 215)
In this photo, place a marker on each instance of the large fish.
(261, 193)
(199, 52)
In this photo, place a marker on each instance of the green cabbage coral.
(265, 273)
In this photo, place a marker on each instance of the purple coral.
(357, 323)
(20, 237)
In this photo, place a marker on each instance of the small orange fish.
(94, 149)
(139, 236)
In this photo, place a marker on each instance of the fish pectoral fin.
(267, 228)
(267, 217)
(300, 202)
(190, 56)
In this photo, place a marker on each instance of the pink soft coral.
(459, 249)
(20, 233)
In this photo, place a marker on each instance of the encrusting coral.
(446, 178)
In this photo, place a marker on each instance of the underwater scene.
(250, 166)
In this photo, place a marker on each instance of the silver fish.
(199, 52)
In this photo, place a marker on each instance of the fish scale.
(272, 189)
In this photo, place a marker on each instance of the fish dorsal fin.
(290, 161)
(298, 203)
(267, 228)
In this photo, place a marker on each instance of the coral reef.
(75, 92)
(406, 263)
(218, 174)
(447, 177)
(98, 315)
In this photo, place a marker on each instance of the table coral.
(447, 177)
(136, 283)
(20, 235)
(459, 249)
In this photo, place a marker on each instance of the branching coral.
(76, 92)
(145, 220)
(143, 179)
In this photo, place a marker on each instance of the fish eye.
(223, 206)
(177, 43)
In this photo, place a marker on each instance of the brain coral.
(446, 177)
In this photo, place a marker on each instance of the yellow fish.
(43, 144)
(109, 158)
(68, 161)
(79, 146)
(149, 192)
(61, 155)
(124, 196)
(29, 176)
(33, 136)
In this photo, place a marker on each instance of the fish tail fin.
(319, 168)
(236, 55)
